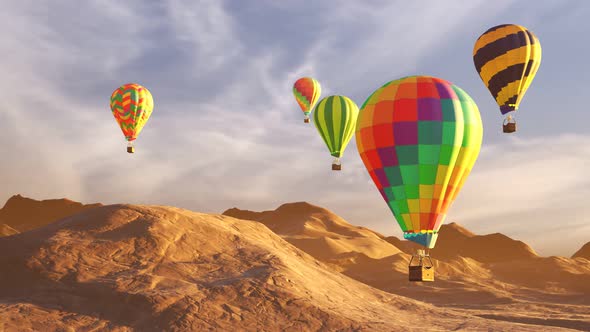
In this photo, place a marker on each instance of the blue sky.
(227, 132)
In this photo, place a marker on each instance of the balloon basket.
(422, 271)
(306, 120)
(130, 149)
(336, 167)
(509, 125)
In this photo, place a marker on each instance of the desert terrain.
(66, 266)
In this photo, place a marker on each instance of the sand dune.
(127, 268)
(143, 268)
(584, 252)
(484, 274)
(455, 241)
(318, 231)
(24, 214)
(6, 230)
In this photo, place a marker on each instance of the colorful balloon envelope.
(132, 105)
(419, 138)
(507, 58)
(307, 92)
(335, 118)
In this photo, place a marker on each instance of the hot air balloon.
(132, 105)
(419, 138)
(335, 118)
(307, 92)
(507, 58)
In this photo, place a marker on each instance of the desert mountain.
(318, 231)
(23, 214)
(137, 267)
(148, 268)
(491, 272)
(323, 234)
(584, 252)
(455, 241)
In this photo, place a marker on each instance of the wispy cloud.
(208, 31)
(533, 189)
(225, 130)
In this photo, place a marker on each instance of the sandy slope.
(146, 268)
(6, 230)
(455, 241)
(151, 268)
(489, 275)
(318, 231)
(584, 252)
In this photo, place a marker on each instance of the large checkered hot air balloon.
(307, 92)
(132, 105)
(335, 119)
(507, 58)
(419, 138)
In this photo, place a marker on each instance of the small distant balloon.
(335, 119)
(507, 58)
(132, 105)
(307, 92)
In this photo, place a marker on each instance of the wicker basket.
(421, 272)
(336, 167)
(509, 125)
(130, 149)
(306, 120)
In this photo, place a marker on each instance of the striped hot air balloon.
(507, 58)
(335, 119)
(307, 92)
(132, 105)
(419, 138)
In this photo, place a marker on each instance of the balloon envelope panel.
(507, 58)
(335, 119)
(132, 105)
(307, 92)
(419, 137)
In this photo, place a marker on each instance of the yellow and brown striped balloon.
(507, 58)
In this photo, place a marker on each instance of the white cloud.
(208, 28)
(225, 129)
(532, 189)
(48, 62)
(367, 45)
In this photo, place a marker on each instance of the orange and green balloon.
(307, 92)
(419, 138)
(132, 105)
